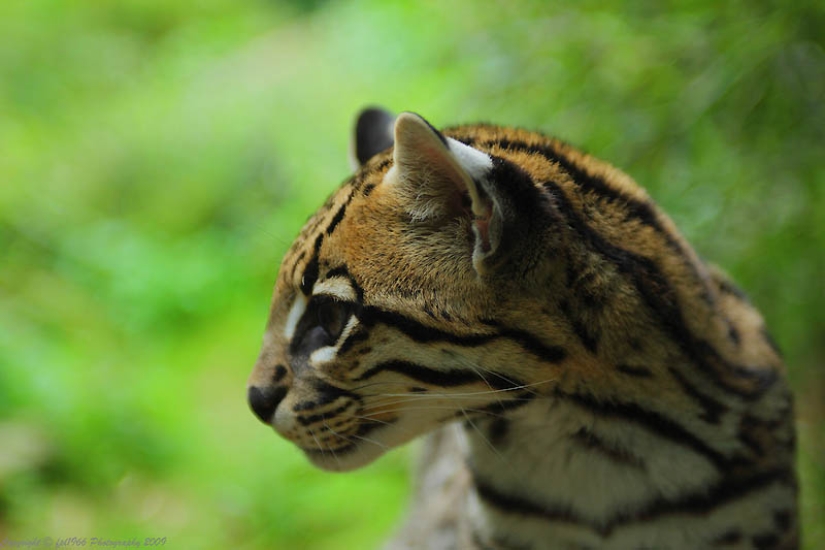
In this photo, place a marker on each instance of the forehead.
(311, 254)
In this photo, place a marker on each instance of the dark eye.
(332, 316)
(322, 324)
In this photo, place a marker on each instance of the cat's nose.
(264, 401)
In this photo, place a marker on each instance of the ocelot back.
(585, 380)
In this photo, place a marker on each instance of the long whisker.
(366, 414)
(475, 367)
(356, 436)
(371, 419)
(385, 399)
(434, 401)
(457, 394)
(411, 406)
(482, 435)
(474, 396)
(321, 447)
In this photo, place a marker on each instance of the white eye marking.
(328, 353)
(323, 355)
(337, 288)
(295, 314)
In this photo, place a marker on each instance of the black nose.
(264, 401)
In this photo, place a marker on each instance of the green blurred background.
(157, 157)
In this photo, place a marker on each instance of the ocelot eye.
(321, 325)
(332, 316)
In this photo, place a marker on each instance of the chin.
(346, 459)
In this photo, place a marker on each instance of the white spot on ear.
(295, 314)
(477, 164)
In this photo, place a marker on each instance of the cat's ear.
(373, 134)
(441, 179)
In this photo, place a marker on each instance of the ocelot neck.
(577, 473)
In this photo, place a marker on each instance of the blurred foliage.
(157, 158)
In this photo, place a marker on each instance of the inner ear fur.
(441, 179)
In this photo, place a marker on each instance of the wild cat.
(582, 377)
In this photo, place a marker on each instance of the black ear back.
(373, 133)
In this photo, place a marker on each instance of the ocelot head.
(415, 296)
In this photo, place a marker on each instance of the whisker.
(401, 403)
(356, 436)
(476, 368)
(443, 395)
(382, 400)
(376, 420)
(459, 394)
(492, 390)
(321, 447)
(366, 413)
(368, 418)
(379, 400)
(482, 435)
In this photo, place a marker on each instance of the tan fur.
(418, 240)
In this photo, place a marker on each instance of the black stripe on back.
(531, 344)
(642, 211)
(700, 503)
(713, 409)
(634, 370)
(583, 331)
(659, 296)
(591, 441)
(661, 426)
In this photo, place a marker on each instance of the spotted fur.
(583, 378)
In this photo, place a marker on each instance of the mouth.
(356, 450)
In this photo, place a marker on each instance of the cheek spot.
(279, 373)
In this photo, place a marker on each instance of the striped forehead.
(302, 265)
(302, 262)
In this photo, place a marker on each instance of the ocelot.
(583, 378)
